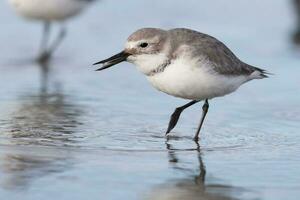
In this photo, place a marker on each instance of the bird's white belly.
(48, 9)
(196, 83)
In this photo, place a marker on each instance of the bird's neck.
(151, 64)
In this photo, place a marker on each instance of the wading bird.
(49, 11)
(187, 64)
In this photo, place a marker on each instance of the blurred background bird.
(296, 35)
(49, 11)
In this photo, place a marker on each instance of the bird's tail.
(260, 73)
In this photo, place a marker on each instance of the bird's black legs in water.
(47, 51)
(176, 114)
(204, 112)
(45, 69)
(58, 40)
(200, 180)
(43, 55)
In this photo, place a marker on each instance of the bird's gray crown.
(146, 41)
(146, 33)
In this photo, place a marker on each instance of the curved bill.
(109, 62)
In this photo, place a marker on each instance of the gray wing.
(224, 61)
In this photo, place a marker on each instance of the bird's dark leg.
(204, 112)
(44, 55)
(58, 40)
(44, 77)
(176, 114)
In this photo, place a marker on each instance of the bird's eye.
(144, 44)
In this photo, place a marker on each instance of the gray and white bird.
(187, 64)
(49, 11)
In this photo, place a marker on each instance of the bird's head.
(146, 48)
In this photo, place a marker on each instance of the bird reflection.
(296, 36)
(21, 168)
(41, 129)
(194, 187)
(48, 118)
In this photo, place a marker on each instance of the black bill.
(109, 62)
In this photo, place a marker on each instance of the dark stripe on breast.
(161, 68)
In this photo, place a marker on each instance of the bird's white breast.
(48, 9)
(194, 79)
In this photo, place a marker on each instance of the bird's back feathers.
(222, 59)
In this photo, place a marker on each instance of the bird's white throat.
(147, 63)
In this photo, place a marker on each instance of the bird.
(296, 35)
(187, 64)
(49, 11)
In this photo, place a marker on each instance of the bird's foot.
(44, 57)
(174, 119)
(196, 139)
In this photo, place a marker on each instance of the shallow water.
(67, 132)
